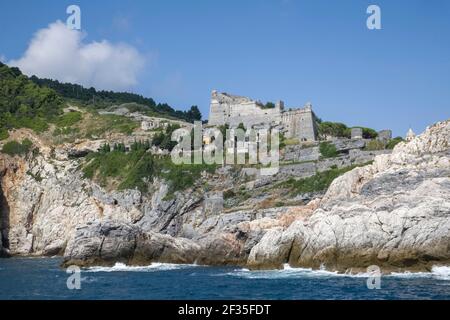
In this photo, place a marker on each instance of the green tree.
(241, 126)
(105, 148)
(334, 129)
(14, 148)
(328, 150)
(194, 114)
(269, 105)
(393, 142)
(368, 133)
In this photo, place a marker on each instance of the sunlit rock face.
(394, 213)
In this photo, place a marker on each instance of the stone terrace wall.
(310, 168)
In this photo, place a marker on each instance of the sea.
(44, 279)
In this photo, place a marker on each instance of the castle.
(232, 110)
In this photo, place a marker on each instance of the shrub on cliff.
(14, 148)
(228, 194)
(337, 129)
(68, 119)
(373, 145)
(328, 150)
(3, 134)
(163, 140)
(269, 105)
(333, 129)
(393, 142)
(369, 133)
(317, 183)
(134, 169)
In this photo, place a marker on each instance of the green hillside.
(25, 104)
(34, 103)
(101, 99)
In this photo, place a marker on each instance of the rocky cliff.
(394, 213)
(49, 208)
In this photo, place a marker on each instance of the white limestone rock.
(394, 213)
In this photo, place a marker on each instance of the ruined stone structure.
(152, 124)
(357, 133)
(384, 136)
(234, 110)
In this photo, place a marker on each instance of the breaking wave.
(438, 272)
(121, 267)
(289, 272)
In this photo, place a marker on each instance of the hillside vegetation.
(99, 99)
(114, 168)
(23, 104)
(37, 103)
(337, 129)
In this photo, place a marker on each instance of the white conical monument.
(410, 135)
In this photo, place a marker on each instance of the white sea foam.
(288, 272)
(438, 272)
(441, 272)
(121, 267)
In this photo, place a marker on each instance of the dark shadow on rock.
(4, 223)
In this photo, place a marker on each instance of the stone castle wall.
(234, 110)
(300, 123)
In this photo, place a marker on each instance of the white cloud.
(57, 52)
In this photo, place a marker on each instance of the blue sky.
(298, 51)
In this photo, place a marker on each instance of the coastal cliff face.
(49, 208)
(43, 200)
(394, 213)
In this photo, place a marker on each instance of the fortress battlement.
(232, 110)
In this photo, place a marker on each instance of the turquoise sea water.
(42, 278)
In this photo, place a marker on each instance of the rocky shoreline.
(394, 213)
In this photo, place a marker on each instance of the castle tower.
(410, 135)
(307, 124)
(279, 105)
(217, 111)
(356, 133)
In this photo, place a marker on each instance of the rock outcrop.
(394, 213)
(225, 239)
(108, 242)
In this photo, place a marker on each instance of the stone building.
(410, 135)
(384, 136)
(356, 133)
(234, 110)
(152, 124)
